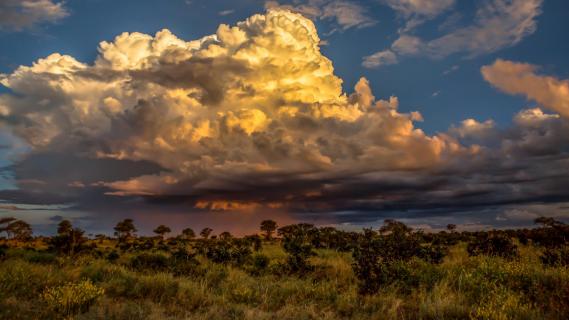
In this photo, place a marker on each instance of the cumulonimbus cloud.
(252, 117)
(257, 98)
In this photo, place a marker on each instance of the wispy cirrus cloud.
(416, 12)
(344, 13)
(497, 24)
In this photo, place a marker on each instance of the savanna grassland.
(303, 273)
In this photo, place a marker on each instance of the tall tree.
(125, 229)
(19, 230)
(68, 240)
(268, 227)
(161, 230)
(64, 227)
(206, 232)
(188, 233)
(225, 235)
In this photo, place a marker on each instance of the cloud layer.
(253, 118)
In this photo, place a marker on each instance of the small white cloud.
(430, 8)
(407, 45)
(226, 12)
(379, 59)
(451, 70)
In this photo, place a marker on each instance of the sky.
(334, 112)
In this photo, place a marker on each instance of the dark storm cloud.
(58, 170)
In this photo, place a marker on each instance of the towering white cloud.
(257, 98)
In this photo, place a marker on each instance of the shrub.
(259, 264)
(72, 298)
(42, 257)
(22, 279)
(493, 244)
(149, 261)
(556, 257)
(218, 251)
(380, 260)
(184, 263)
(235, 251)
(113, 256)
(297, 242)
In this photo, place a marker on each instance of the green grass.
(462, 287)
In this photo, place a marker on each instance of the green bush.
(72, 298)
(42, 257)
(113, 256)
(556, 256)
(149, 262)
(493, 244)
(259, 264)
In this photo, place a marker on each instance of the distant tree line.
(379, 256)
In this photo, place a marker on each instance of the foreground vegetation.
(304, 273)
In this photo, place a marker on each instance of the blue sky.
(440, 79)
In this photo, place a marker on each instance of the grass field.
(40, 285)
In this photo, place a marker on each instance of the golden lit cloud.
(254, 99)
(523, 79)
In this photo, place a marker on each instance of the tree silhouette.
(161, 230)
(6, 221)
(225, 235)
(64, 227)
(19, 230)
(268, 227)
(451, 227)
(394, 227)
(125, 229)
(68, 240)
(206, 232)
(188, 233)
(548, 222)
